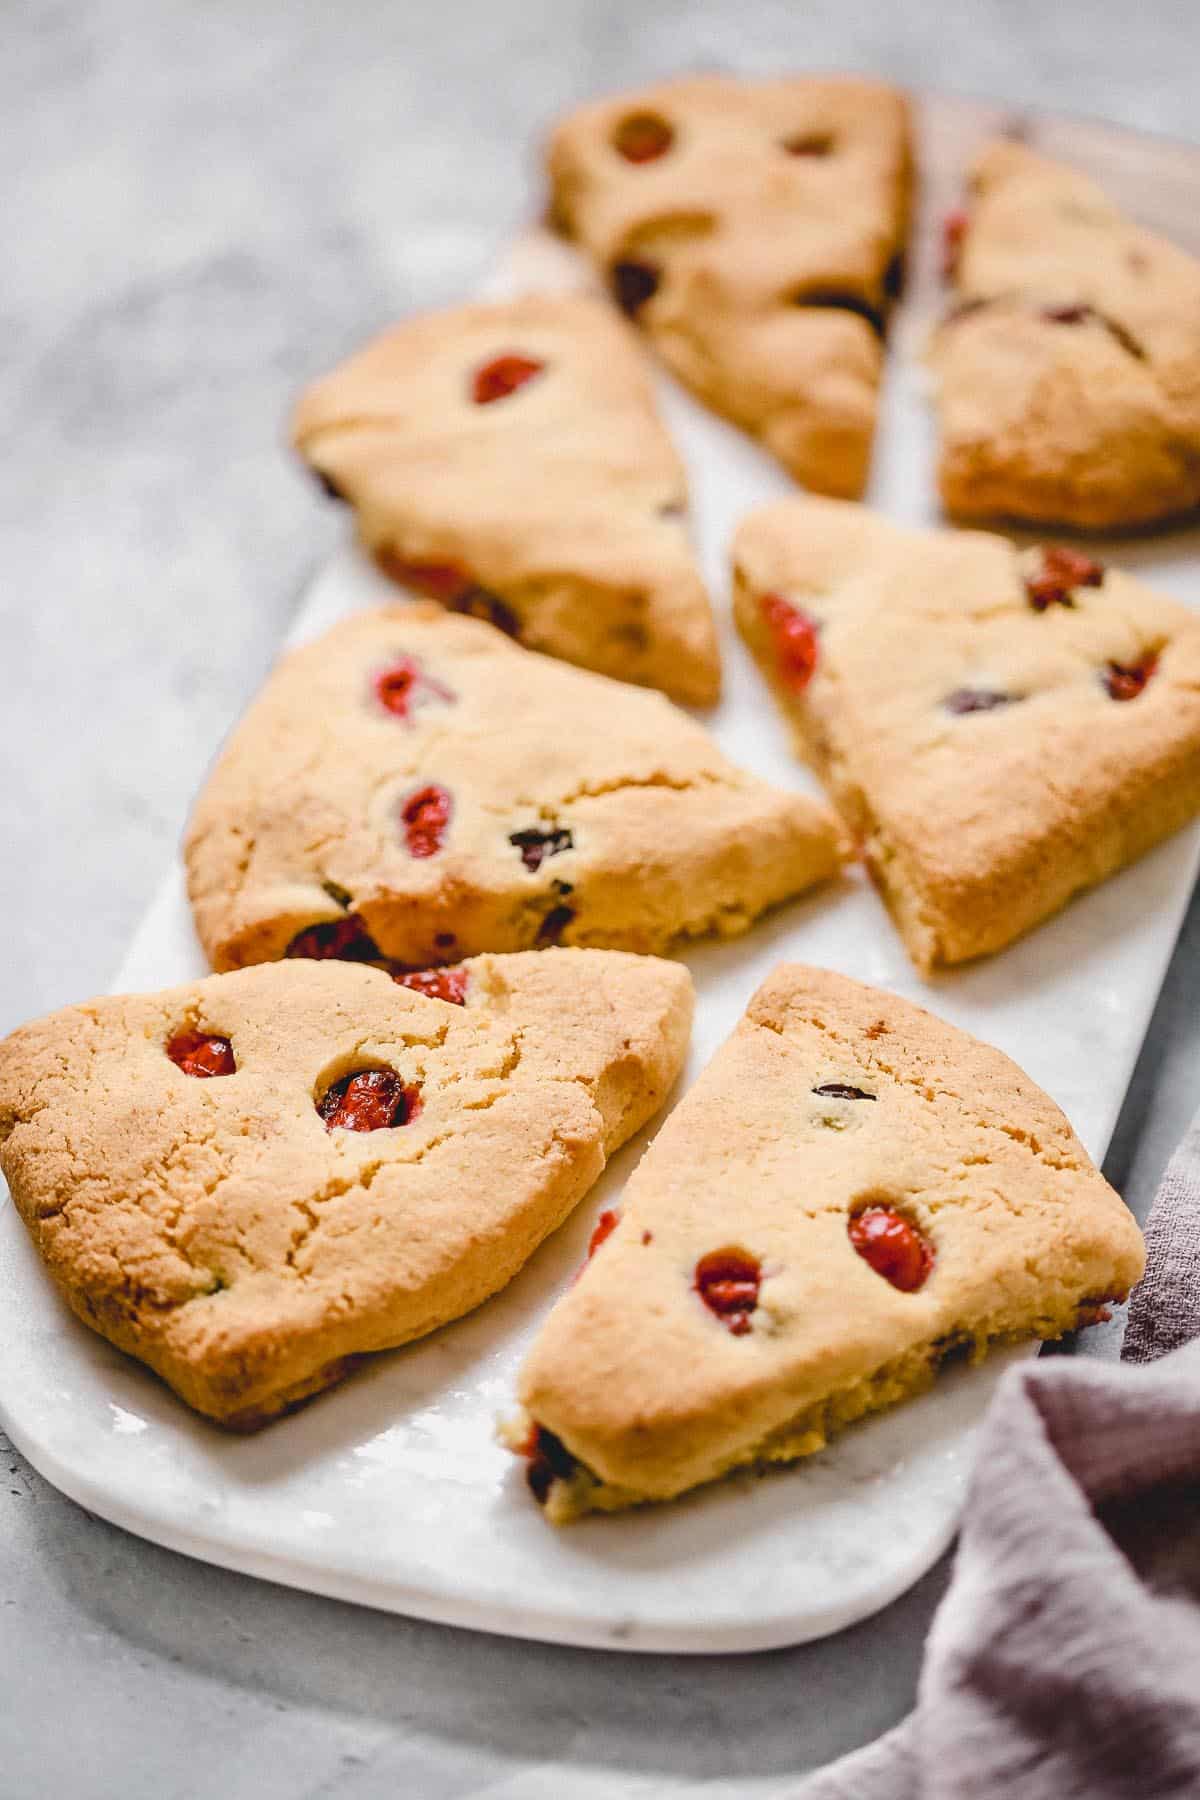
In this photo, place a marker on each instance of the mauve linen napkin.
(1064, 1661)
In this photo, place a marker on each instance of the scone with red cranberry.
(252, 1180)
(414, 788)
(851, 1193)
(756, 230)
(1069, 370)
(1000, 729)
(509, 461)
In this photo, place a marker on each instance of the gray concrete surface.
(202, 205)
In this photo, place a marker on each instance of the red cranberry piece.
(437, 984)
(634, 283)
(1125, 681)
(728, 1282)
(794, 637)
(841, 1090)
(371, 1100)
(974, 700)
(444, 581)
(502, 376)
(894, 1248)
(606, 1224)
(426, 815)
(399, 688)
(955, 226)
(810, 143)
(535, 845)
(202, 1053)
(549, 1461)
(343, 940)
(642, 137)
(1061, 572)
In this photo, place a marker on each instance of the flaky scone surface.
(217, 1229)
(1069, 371)
(976, 824)
(650, 1391)
(650, 834)
(560, 505)
(759, 249)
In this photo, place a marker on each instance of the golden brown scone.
(211, 1197)
(414, 787)
(509, 461)
(851, 1192)
(756, 230)
(1069, 371)
(1000, 730)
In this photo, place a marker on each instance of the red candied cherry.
(794, 637)
(1125, 681)
(642, 137)
(202, 1053)
(370, 1100)
(444, 581)
(728, 1282)
(426, 814)
(955, 226)
(634, 283)
(404, 684)
(1061, 572)
(497, 379)
(893, 1246)
(343, 940)
(436, 984)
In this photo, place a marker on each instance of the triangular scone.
(252, 1179)
(756, 229)
(1000, 729)
(852, 1192)
(415, 787)
(1069, 370)
(509, 461)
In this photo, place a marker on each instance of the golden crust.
(975, 827)
(218, 1231)
(300, 818)
(1091, 418)
(565, 499)
(775, 268)
(647, 1388)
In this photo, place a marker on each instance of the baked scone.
(509, 461)
(414, 788)
(852, 1192)
(1069, 370)
(250, 1181)
(999, 729)
(756, 230)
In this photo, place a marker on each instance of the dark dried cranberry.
(841, 300)
(328, 485)
(955, 226)
(398, 688)
(893, 1246)
(343, 940)
(436, 984)
(549, 1461)
(554, 924)
(974, 700)
(371, 1100)
(536, 845)
(502, 376)
(426, 814)
(794, 638)
(1067, 315)
(444, 581)
(728, 1282)
(634, 283)
(1125, 681)
(810, 143)
(1061, 572)
(841, 1090)
(202, 1053)
(642, 137)
(478, 603)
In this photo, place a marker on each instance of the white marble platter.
(390, 1491)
